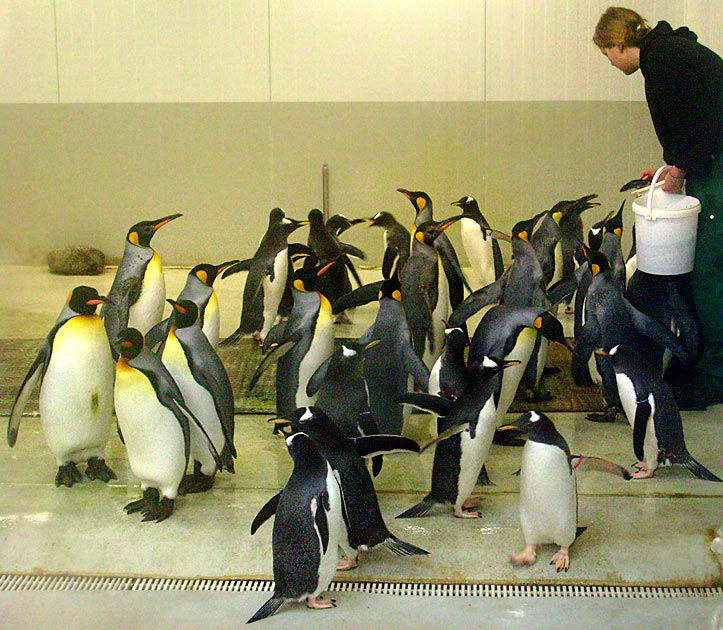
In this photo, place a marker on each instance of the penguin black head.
(614, 223)
(316, 218)
(303, 451)
(598, 262)
(551, 328)
(276, 215)
(84, 300)
(185, 313)
(130, 343)
(382, 219)
(429, 231)
(469, 205)
(309, 421)
(420, 200)
(142, 233)
(208, 273)
(537, 426)
(456, 338)
(523, 229)
(338, 223)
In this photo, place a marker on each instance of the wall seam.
(57, 55)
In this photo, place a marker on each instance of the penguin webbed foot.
(99, 470)
(561, 560)
(150, 497)
(608, 416)
(67, 475)
(462, 512)
(642, 471)
(320, 602)
(158, 511)
(525, 558)
(346, 564)
(196, 482)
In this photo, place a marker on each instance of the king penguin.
(308, 529)
(653, 415)
(155, 423)
(204, 383)
(74, 369)
(269, 270)
(137, 295)
(548, 489)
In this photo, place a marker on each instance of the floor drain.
(96, 583)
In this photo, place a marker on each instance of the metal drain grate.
(88, 583)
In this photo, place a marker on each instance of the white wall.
(107, 51)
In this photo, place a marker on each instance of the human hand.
(674, 180)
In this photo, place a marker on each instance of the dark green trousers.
(708, 270)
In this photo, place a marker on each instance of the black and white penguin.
(653, 415)
(548, 489)
(199, 289)
(366, 527)
(137, 296)
(155, 423)
(482, 249)
(397, 238)
(74, 370)
(466, 428)
(204, 383)
(308, 530)
(300, 344)
(269, 272)
(339, 223)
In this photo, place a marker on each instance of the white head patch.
(348, 352)
(307, 415)
(469, 199)
(534, 416)
(613, 351)
(285, 221)
(595, 231)
(376, 216)
(489, 363)
(449, 331)
(290, 439)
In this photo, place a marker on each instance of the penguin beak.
(602, 352)
(510, 363)
(99, 300)
(500, 236)
(371, 344)
(516, 424)
(223, 266)
(281, 424)
(405, 192)
(176, 306)
(325, 268)
(451, 221)
(161, 222)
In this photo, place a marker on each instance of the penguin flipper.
(241, 265)
(320, 519)
(299, 250)
(182, 412)
(585, 342)
(477, 300)
(562, 289)
(352, 270)
(423, 508)
(317, 378)
(700, 471)
(276, 353)
(427, 402)
(415, 367)
(266, 512)
(350, 250)
(402, 548)
(640, 425)
(275, 336)
(498, 262)
(268, 609)
(33, 377)
(658, 333)
(157, 334)
(456, 280)
(578, 462)
(370, 446)
(359, 297)
(447, 433)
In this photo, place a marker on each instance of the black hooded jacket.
(684, 90)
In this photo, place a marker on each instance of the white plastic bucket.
(666, 226)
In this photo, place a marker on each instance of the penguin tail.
(268, 609)
(579, 531)
(401, 548)
(700, 471)
(423, 508)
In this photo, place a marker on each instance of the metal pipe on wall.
(325, 190)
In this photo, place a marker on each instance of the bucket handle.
(653, 183)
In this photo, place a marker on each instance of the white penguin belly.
(512, 375)
(548, 496)
(152, 434)
(148, 310)
(440, 315)
(274, 290)
(479, 253)
(335, 520)
(212, 320)
(76, 396)
(322, 345)
(199, 401)
(475, 451)
(628, 399)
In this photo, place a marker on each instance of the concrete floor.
(648, 532)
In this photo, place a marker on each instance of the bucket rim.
(680, 213)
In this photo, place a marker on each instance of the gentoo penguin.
(548, 489)
(300, 344)
(366, 527)
(74, 369)
(137, 295)
(206, 389)
(337, 224)
(482, 249)
(154, 420)
(269, 270)
(396, 236)
(339, 387)
(388, 365)
(198, 289)
(447, 376)
(466, 428)
(308, 529)
(653, 415)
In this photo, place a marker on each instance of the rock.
(76, 261)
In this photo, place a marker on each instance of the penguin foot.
(67, 475)
(158, 511)
(150, 497)
(459, 512)
(569, 310)
(346, 564)
(525, 558)
(197, 482)
(471, 503)
(642, 471)
(549, 370)
(97, 469)
(320, 602)
(608, 416)
(343, 318)
(561, 559)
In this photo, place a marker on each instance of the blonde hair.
(620, 27)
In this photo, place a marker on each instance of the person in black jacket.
(684, 91)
